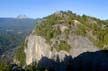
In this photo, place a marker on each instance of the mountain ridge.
(60, 35)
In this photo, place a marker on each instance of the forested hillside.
(12, 32)
(93, 28)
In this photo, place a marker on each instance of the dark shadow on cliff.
(92, 61)
(88, 61)
(54, 65)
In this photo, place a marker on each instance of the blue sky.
(41, 8)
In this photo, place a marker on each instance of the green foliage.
(106, 39)
(56, 32)
(5, 67)
(63, 46)
(20, 55)
(81, 30)
(35, 67)
(45, 28)
(101, 37)
(32, 68)
(9, 40)
(88, 27)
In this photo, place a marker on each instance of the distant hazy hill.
(16, 24)
(22, 17)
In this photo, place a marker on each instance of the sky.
(42, 8)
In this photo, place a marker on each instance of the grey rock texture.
(61, 55)
(80, 45)
(36, 49)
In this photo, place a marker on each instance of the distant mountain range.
(22, 17)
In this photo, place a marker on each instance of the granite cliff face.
(37, 48)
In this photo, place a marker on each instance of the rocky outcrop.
(36, 49)
(80, 45)
(61, 55)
